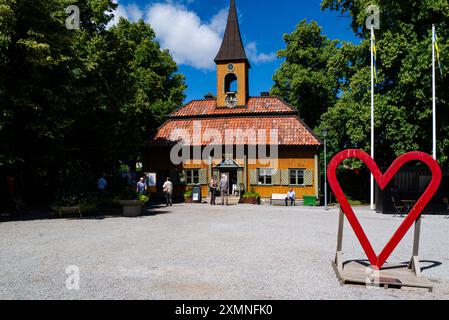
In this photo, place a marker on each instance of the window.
(296, 177)
(230, 83)
(193, 176)
(265, 176)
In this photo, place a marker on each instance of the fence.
(409, 184)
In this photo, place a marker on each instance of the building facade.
(260, 143)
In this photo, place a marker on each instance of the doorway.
(231, 175)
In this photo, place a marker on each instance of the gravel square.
(204, 252)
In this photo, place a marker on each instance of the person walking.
(168, 191)
(213, 185)
(224, 189)
(141, 186)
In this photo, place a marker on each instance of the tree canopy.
(84, 98)
(303, 79)
(403, 93)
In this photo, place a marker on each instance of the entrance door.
(231, 175)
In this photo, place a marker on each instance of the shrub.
(73, 199)
(251, 195)
(143, 198)
(128, 194)
(188, 194)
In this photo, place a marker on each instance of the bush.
(72, 199)
(128, 194)
(251, 195)
(109, 202)
(188, 194)
(143, 198)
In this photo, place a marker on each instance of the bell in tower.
(232, 66)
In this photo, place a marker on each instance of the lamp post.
(324, 134)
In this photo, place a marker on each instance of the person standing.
(13, 192)
(224, 189)
(102, 184)
(213, 185)
(168, 191)
(141, 186)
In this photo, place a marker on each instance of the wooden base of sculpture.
(389, 276)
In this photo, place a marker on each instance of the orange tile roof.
(291, 130)
(261, 105)
(261, 113)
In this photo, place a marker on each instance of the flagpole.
(372, 113)
(434, 104)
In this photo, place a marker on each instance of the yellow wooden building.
(225, 135)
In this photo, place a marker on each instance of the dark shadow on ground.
(424, 264)
(149, 211)
(44, 213)
(25, 215)
(431, 264)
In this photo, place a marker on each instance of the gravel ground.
(203, 252)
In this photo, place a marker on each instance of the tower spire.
(232, 46)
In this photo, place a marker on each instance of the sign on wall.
(152, 179)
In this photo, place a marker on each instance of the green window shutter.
(203, 177)
(253, 177)
(308, 177)
(276, 177)
(239, 178)
(285, 177)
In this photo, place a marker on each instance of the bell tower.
(232, 66)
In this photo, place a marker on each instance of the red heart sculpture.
(382, 181)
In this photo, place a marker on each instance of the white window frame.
(190, 177)
(296, 178)
(265, 170)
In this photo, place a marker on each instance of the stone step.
(231, 200)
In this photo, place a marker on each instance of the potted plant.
(73, 204)
(251, 198)
(132, 203)
(188, 196)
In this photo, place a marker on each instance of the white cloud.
(191, 41)
(218, 22)
(256, 57)
(134, 12)
(131, 12)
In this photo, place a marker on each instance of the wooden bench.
(276, 197)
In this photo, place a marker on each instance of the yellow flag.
(375, 58)
(437, 50)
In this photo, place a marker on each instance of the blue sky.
(192, 31)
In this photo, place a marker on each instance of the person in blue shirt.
(141, 186)
(102, 184)
(291, 196)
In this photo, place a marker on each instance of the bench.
(276, 197)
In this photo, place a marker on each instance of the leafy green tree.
(303, 78)
(34, 84)
(403, 108)
(78, 100)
